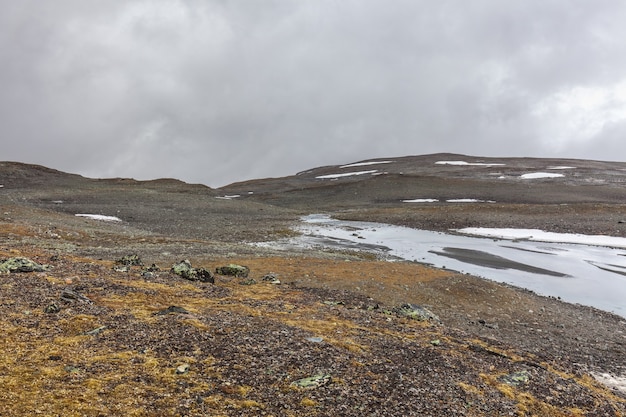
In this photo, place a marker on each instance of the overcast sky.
(218, 91)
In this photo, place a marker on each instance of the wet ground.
(578, 273)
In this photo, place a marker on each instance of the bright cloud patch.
(100, 217)
(347, 174)
(463, 163)
(537, 175)
(362, 164)
(579, 114)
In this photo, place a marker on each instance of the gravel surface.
(241, 349)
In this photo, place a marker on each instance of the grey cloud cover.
(222, 91)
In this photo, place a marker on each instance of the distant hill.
(426, 191)
(385, 182)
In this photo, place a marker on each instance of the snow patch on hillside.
(464, 163)
(346, 174)
(537, 175)
(421, 200)
(362, 164)
(468, 200)
(100, 217)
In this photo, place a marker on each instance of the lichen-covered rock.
(516, 378)
(185, 270)
(272, 278)
(130, 260)
(413, 311)
(312, 382)
(238, 271)
(21, 265)
(171, 310)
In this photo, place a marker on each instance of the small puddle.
(583, 274)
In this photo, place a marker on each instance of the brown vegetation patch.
(234, 349)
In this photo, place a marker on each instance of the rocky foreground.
(103, 319)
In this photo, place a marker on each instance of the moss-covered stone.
(312, 381)
(185, 270)
(21, 265)
(415, 312)
(133, 260)
(239, 271)
(516, 378)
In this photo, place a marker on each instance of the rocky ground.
(90, 336)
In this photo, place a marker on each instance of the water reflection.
(589, 275)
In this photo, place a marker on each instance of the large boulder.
(185, 270)
(21, 265)
(413, 311)
(238, 271)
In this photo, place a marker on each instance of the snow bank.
(100, 217)
(481, 164)
(536, 175)
(362, 164)
(421, 200)
(468, 200)
(542, 236)
(346, 174)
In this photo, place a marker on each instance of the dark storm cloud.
(217, 91)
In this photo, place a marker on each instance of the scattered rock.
(150, 271)
(69, 296)
(272, 278)
(185, 270)
(315, 339)
(413, 311)
(182, 369)
(248, 281)
(123, 268)
(238, 271)
(95, 331)
(130, 260)
(516, 378)
(488, 325)
(171, 310)
(312, 382)
(72, 369)
(21, 265)
(333, 303)
(52, 308)
(153, 268)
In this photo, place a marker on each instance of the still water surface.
(577, 273)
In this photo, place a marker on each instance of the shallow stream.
(577, 273)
